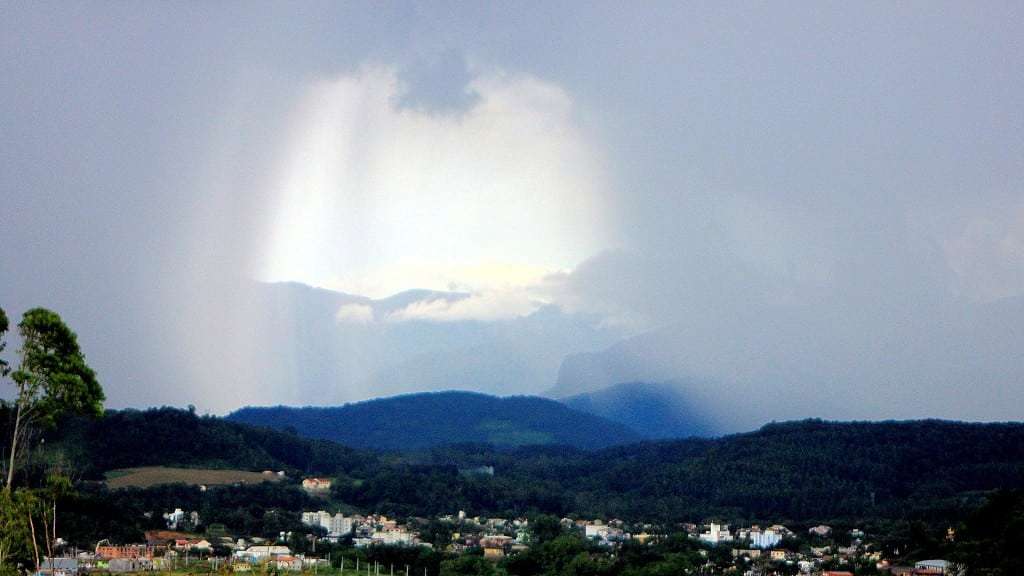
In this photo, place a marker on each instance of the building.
(337, 526)
(762, 538)
(716, 534)
(260, 553)
(821, 531)
(123, 565)
(316, 484)
(752, 554)
(129, 551)
(59, 567)
(932, 567)
(603, 533)
(394, 538)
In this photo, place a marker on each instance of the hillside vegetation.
(181, 438)
(418, 421)
(798, 471)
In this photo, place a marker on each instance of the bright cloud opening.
(374, 199)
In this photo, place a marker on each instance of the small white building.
(259, 553)
(716, 534)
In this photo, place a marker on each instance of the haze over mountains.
(326, 348)
(319, 347)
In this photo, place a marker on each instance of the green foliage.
(805, 472)
(52, 381)
(991, 542)
(173, 437)
(53, 377)
(468, 565)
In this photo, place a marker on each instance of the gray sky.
(814, 209)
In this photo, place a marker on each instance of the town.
(375, 544)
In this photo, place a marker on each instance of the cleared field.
(154, 475)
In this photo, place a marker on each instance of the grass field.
(153, 475)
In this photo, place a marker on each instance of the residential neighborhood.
(333, 540)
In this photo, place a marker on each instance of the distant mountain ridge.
(424, 420)
(655, 410)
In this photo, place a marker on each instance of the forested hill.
(418, 421)
(796, 471)
(800, 471)
(174, 437)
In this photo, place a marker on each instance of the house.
(778, 555)
(316, 484)
(821, 531)
(835, 573)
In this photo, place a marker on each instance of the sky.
(789, 209)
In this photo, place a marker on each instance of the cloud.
(354, 314)
(489, 306)
(373, 198)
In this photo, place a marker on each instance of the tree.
(467, 565)
(52, 379)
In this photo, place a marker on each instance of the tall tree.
(52, 379)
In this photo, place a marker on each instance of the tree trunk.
(46, 531)
(35, 547)
(14, 445)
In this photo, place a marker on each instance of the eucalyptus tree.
(51, 380)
